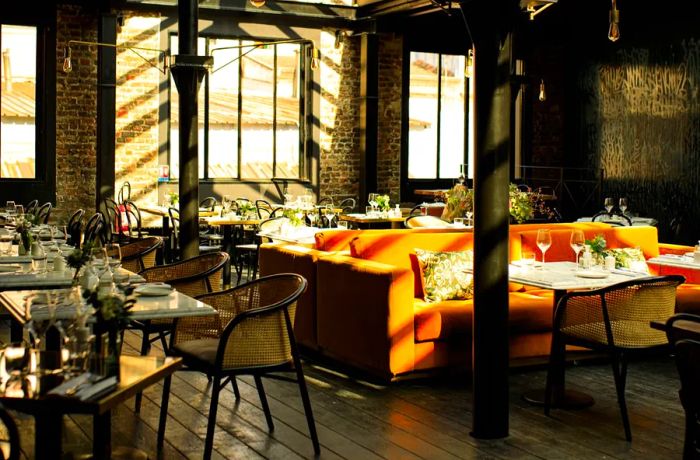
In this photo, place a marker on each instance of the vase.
(107, 350)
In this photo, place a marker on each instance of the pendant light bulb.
(315, 58)
(543, 95)
(257, 3)
(67, 64)
(614, 31)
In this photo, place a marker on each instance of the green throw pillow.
(630, 258)
(444, 275)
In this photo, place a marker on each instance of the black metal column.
(369, 114)
(106, 107)
(491, 218)
(188, 71)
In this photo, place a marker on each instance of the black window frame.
(305, 115)
(43, 185)
(409, 185)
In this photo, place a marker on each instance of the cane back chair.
(616, 320)
(140, 254)
(253, 334)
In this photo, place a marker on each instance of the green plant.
(295, 216)
(78, 258)
(112, 310)
(173, 198)
(383, 202)
(245, 207)
(23, 228)
(598, 247)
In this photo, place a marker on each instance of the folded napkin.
(85, 387)
(9, 268)
(15, 259)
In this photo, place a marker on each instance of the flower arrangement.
(295, 216)
(112, 310)
(78, 258)
(383, 202)
(522, 205)
(245, 208)
(26, 236)
(598, 247)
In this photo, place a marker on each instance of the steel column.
(369, 114)
(106, 107)
(491, 219)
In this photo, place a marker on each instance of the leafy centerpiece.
(383, 203)
(26, 238)
(522, 205)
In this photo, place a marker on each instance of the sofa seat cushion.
(452, 319)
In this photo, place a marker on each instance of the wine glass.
(609, 204)
(10, 207)
(577, 242)
(469, 215)
(372, 200)
(623, 205)
(98, 261)
(544, 241)
(330, 215)
(114, 256)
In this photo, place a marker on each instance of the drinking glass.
(609, 204)
(19, 210)
(623, 205)
(98, 261)
(544, 241)
(469, 215)
(330, 214)
(114, 256)
(15, 358)
(372, 200)
(39, 259)
(6, 244)
(10, 207)
(577, 241)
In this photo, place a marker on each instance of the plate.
(153, 290)
(595, 274)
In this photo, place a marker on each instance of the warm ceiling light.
(67, 65)
(614, 31)
(315, 58)
(535, 7)
(543, 95)
(257, 3)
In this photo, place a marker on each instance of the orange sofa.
(364, 305)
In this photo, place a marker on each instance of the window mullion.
(439, 111)
(206, 118)
(240, 105)
(274, 113)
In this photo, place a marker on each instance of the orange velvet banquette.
(364, 304)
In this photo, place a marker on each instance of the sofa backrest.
(397, 248)
(335, 240)
(644, 237)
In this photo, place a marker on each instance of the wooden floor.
(428, 419)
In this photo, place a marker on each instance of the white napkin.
(154, 289)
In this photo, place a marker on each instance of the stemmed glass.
(544, 241)
(114, 256)
(469, 215)
(623, 205)
(609, 204)
(330, 215)
(98, 261)
(577, 242)
(372, 200)
(10, 207)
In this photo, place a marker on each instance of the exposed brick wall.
(137, 101)
(389, 137)
(76, 112)
(339, 107)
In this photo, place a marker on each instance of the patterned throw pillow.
(630, 258)
(444, 275)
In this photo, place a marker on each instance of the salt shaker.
(610, 262)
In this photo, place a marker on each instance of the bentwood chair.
(196, 276)
(253, 334)
(124, 194)
(140, 254)
(93, 229)
(683, 332)
(347, 205)
(75, 226)
(615, 320)
(133, 220)
(43, 213)
(32, 207)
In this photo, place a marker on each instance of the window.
(437, 112)
(18, 145)
(251, 111)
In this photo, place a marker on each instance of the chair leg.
(307, 404)
(145, 348)
(620, 373)
(263, 401)
(163, 416)
(234, 385)
(209, 441)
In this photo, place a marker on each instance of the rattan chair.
(196, 276)
(683, 332)
(421, 221)
(252, 335)
(141, 254)
(616, 320)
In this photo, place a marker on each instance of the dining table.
(366, 221)
(49, 397)
(562, 277)
(232, 229)
(677, 264)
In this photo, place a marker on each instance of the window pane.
(257, 70)
(223, 110)
(175, 117)
(452, 116)
(422, 116)
(18, 102)
(288, 112)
